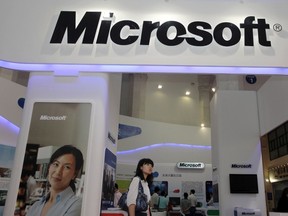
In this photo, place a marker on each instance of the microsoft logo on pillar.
(97, 30)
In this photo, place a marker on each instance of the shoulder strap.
(140, 187)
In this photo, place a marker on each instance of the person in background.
(31, 184)
(64, 165)
(193, 200)
(283, 201)
(21, 196)
(163, 201)
(169, 208)
(143, 176)
(117, 195)
(155, 198)
(185, 205)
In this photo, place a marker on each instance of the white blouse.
(133, 190)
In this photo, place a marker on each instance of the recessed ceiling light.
(160, 86)
(213, 89)
(202, 125)
(187, 93)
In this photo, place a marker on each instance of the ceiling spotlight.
(187, 93)
(202, 125)
(160, 86)
(213, 89)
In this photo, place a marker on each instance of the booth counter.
(113, 213)
(277, 214)
(211, 211)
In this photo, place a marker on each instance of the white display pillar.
(235, 139)
(102, 91)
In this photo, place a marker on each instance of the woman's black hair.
(139, 172)
(69, 149)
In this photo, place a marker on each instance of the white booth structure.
(76, 51)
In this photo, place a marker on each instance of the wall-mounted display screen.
(208, 189)
(162, 185)
(243, 183)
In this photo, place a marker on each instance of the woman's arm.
(131, 209)
(132, 196)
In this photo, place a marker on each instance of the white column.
(102, 91)
(235, 139)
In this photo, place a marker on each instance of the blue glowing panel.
(128, 131)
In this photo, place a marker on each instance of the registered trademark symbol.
(277, 27)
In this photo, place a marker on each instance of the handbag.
(141, 200)
(122, 202)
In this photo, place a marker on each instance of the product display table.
(164, 213)
(114, 213)
(277, 214)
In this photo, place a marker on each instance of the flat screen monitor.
(243, 183)
(175, 201)
(215, 193)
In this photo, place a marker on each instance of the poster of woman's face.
(54, 161)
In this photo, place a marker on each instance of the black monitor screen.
(175, 201)
(215, 193)
(243, 183)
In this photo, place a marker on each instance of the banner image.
(6, 162)
(54, 162)
(108, 180)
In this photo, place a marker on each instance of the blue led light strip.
(176, 145)
(8, 124)
(71, 68)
